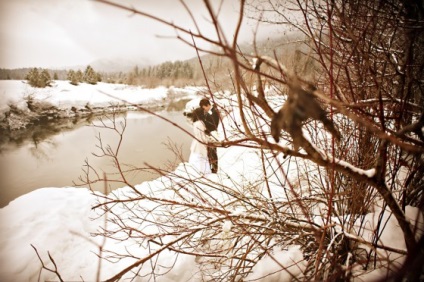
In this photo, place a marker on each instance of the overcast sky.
(65, 33)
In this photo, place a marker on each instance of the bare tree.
(347, 116)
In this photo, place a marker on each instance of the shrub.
(39, 78)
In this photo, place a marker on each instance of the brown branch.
(54, 270)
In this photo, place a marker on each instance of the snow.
(368, 173)
(271, 265)
(60, 221)
(64, 95)
(191, 105)
(49, 219)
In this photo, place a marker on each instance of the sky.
(62, 33)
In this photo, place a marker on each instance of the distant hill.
(114, 65)
(289, 49)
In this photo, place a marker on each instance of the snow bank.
(49, 219)
(21, 104)
(60, 221)
(64, 95)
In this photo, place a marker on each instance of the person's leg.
(213, 159)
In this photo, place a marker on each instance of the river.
(56, 158)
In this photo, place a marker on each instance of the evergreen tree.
(32, 77)
(72, 77)
(99, 77)
(188, 70)
(177, 69)
(44, 79)
(90, 75)
(79, 76)
(131, 79)
(37, 78)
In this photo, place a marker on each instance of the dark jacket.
(211, 120)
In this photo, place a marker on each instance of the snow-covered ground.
(59, 221)
(64, 95)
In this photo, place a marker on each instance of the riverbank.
(23, 108)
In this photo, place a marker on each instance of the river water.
(56, 158)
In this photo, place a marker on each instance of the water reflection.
(41, 132)
(43, 149)
(53, 154)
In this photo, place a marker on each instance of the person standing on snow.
(199, 150)
(211, 121)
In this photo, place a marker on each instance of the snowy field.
(64, 95)
(59, 221)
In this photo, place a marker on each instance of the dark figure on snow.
(211, 120)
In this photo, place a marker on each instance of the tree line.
(41, 78)
(163, 74)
